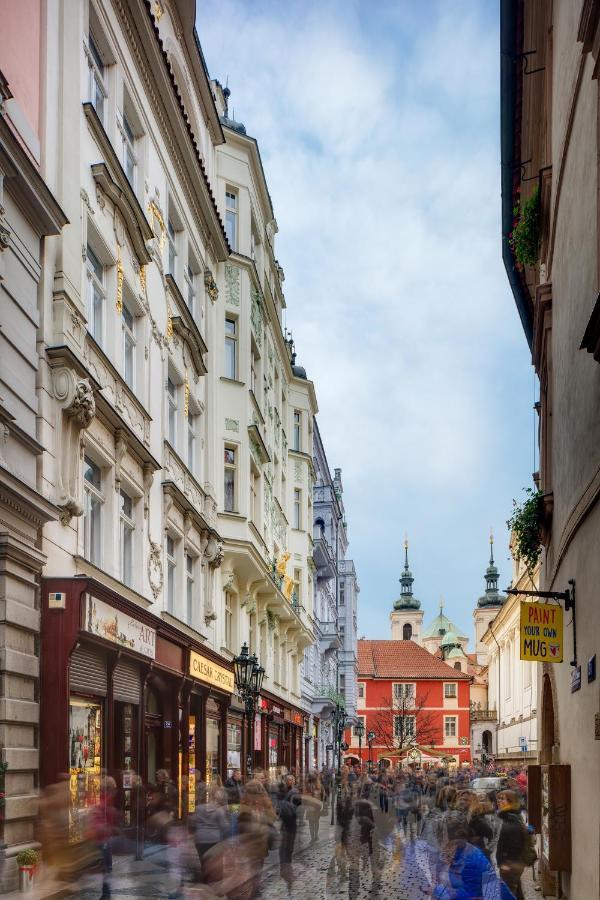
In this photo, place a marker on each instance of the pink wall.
(20, 55)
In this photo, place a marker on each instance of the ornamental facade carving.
(77, 409)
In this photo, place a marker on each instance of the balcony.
(483, 715)
(329, 638)
(323, 555)
(326, 698)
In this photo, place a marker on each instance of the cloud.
(379, 138)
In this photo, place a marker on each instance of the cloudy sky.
(378, 124)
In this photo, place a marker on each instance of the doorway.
(154, 736)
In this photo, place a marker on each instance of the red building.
(416, 704)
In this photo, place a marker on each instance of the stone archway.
(548, 723)
(407, 631)
(487, 742)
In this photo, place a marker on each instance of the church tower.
(407, 615)
(488, 606)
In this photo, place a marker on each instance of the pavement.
(316, 875)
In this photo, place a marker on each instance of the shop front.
(127, 697)
(278, 736)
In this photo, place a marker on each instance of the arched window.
(320, 524)
(407, 632)
(458, 666)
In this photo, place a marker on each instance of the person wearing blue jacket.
(468, 873)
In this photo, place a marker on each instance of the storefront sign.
(206, 670)
(116, 626)
(297, 719)
(541, 632)
(575, 679)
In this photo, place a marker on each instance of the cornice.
(185, 326)
(24, 500)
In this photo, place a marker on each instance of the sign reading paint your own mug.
(541, 632)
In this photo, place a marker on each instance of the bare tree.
(403, 721)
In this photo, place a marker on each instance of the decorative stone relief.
(211, 285)
(155, 569)
(232, 285)
(120, 451)
(76, 399)
(298, 474)
(148, 479)
(256, 316)
(232, 425)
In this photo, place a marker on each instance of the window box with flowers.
(525, 236)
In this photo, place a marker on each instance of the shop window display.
(234, 747)
(213, 741)
(85, 761)
(273, 748)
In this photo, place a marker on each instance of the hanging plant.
(525, 236)
(526, 524)
(271, 620)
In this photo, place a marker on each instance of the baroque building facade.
(156, 445)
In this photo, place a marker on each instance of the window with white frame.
(128, 345)
(450, 726)
(363, 720)
(172, 247)
(189, 587)
(276, 658)
(98, 91)
(450, 691)
(129, 155)
(297, 433)
(404, 727)
(229, 620)
(254, 494)
(92, 521)
(297, 511)
(342, 684)
(297, 585)
(361, 690)
(171, 412)
(342, 593)
(191, 440)
(171, 572)
(231, 211)
(96, 293)
(230, 347)
(253, 363)
(404, 693)
(252, 633)
(230, 479)
(127, 532)
(190, 289)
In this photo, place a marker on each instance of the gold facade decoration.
(143, 279)
(282, 564)
(288, 588)
(186, 396)
(119, 303)
(158, 11)
(156, 215)
(169, 331)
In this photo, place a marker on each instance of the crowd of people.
(426, 833)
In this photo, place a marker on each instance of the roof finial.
(491, 546)
(441, 606)
(226, 96)
(405, 550)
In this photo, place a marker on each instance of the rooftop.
(402, 659)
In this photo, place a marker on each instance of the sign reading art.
(116, 626)
(206, 670)
(541, 632)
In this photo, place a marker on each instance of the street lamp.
(359, 730)
(248, 682)
(370, 738)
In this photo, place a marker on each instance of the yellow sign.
(541, 632)
(206, 670)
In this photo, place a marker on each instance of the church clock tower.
(407, 616)
(488, 606)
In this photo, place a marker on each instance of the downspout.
(499, 694)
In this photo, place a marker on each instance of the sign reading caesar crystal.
(206, 670)
(541, 632)
(118, 627)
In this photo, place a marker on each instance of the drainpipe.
(499, 694)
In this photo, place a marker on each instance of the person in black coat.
(512, 841)
(233, 788)
(288, 815)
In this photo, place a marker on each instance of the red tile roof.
(402, 659)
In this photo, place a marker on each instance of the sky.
(378, 126)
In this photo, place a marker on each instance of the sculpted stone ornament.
(76, 399)
(211, 285)
(155, 569)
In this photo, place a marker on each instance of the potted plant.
(27, 861)
(527, 527)
(525, 236)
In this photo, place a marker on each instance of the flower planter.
(26, 879)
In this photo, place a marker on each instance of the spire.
(492, 596)
(406, 600)
(441, 606)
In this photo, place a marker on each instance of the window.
(342, 684)
(404, 728)
(229, 635)
(98, 92)
(253, 372)
(450, 690)
(297, 583)
(172, 241)
(129, 158)
(128, 346)
(96, 293)
(190, 289)
(93, 500)
(254, 504)
(191, 441)
(231, 218)
(189, 587)
(361, 690)
(296, 442)
(230, 348)
(458, 666)
(276, 658)
(127, 528)
(342, 593)
(230, 479)
(450, 726)
(252, 632)
(297, 516)
(172, 412)
(404, 693)
(407, 632)
(171, 572)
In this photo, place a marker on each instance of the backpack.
(529, 850)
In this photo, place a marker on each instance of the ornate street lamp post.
(359, 730)
(370, 738)
(248, 682)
